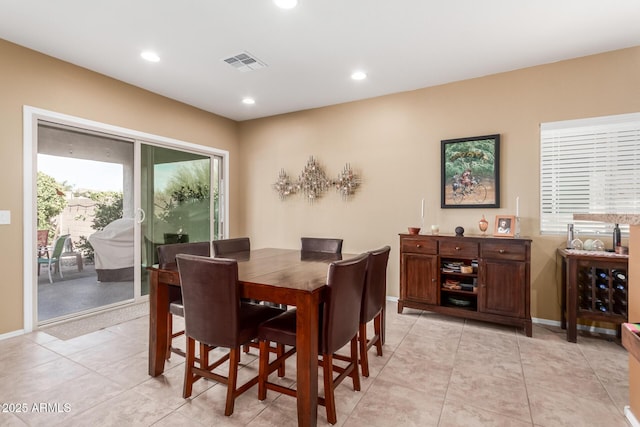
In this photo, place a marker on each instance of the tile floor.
(436, 371)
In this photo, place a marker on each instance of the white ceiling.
(311, 50)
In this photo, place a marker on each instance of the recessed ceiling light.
(150, 56)
(359, 75)
(248, 101)
(286, 4)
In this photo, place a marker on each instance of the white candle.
(518, 206)
(422, 210)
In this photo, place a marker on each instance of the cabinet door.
(420, 278)
(502, 288)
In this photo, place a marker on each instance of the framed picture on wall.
(470, 172)
(505, 226)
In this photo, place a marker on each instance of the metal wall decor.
(313, 182)
(347, 182)
(283, 185)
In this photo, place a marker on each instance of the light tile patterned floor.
(436, 371)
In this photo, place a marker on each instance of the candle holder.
(517, 230)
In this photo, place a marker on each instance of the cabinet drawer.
(460, 248)
(420, 245)
(498, 250)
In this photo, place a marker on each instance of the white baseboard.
(630, 417)
(551, 323)
(12, 334)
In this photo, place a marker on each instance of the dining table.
(282, 276)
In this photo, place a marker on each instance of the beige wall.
(29, 78)
(393, 142)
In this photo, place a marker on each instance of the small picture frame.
(505, 226)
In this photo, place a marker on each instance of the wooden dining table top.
(280, 268)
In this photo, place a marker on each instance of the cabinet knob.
(501, 251)
(418, 246)
(457, 248)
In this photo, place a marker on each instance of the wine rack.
(602, 290)
(594, 288)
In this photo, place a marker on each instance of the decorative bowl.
(414, 230)
(577, 244)
(598, 245)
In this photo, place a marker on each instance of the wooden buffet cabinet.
(497, 290)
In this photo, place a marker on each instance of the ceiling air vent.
(244, 61)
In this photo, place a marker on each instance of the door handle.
(141, 216)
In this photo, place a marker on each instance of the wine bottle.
(617, 241)
(619, 275)
(602, 306)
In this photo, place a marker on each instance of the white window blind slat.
(589, 166)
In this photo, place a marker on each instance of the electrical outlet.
(5, 217)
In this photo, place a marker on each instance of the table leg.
(307, 360)
(563, 295)
(572, 303)
(158, 309)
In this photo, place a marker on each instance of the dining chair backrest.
(167, 253)
(43, 238)
(375, 289)
(211, 299)
(321, 244)
(341, 311)
(228, 246)
(58, 246)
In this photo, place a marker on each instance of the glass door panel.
(176, 200)
(85, 193)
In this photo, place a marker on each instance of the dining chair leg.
(364, 357)
(383, 324)
(188, 371)
(234, 358)
(49, 271)
(353, 365)
(377, 327)
(204, 356)
(169, 335)
(279, 353)
(329, 396)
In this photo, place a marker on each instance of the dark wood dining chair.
(373, 305)
(215, 316)
(167, 257)
(239, 245)
(224, 247)
(321, 244)
(340, 317)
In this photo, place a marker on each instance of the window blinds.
(589, 166)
